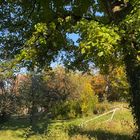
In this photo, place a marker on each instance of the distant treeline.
(60, 94)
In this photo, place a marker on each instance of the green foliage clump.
(69, 109)
(88, 99)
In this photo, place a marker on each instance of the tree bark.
(131, 63)
(133, 75)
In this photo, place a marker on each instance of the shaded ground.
(120, 128)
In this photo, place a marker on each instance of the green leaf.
(83, 50)
(100, 54)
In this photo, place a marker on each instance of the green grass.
(120, 128)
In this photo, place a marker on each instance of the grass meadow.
(119, 128)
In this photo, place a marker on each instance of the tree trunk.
(32, 116)
(131, 63)
(133, 75)
(33, 109)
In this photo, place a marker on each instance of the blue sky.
(74, 37)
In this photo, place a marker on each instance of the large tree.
(33, 33)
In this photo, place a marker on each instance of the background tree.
(112, 86)
(8, 99)
(99, 86)
(68, 93)
(119, 86)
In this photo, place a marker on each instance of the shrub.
(101, 108)
(66, 110)
(88, 99)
